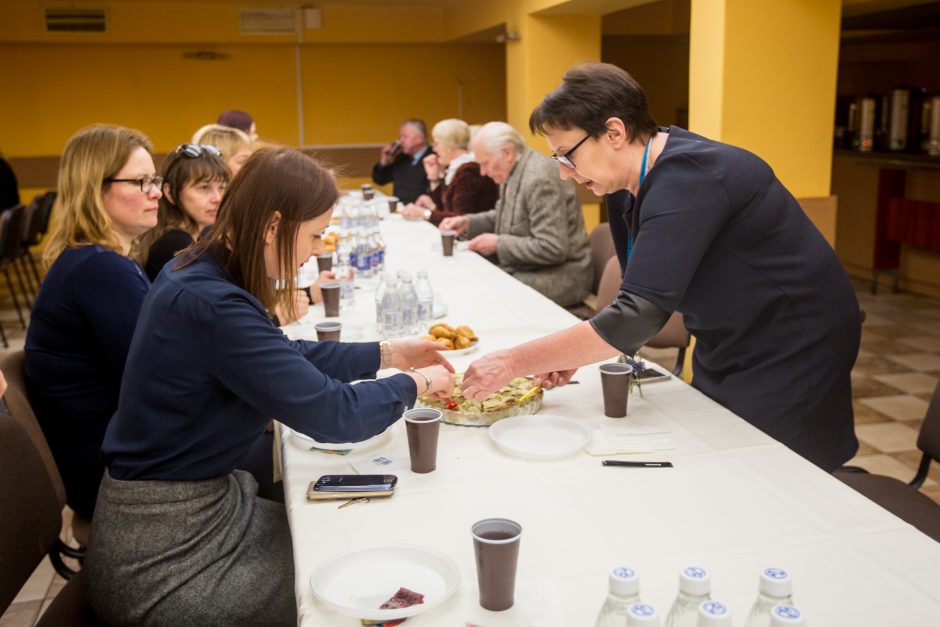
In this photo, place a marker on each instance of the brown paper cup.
(331, 292)
(325, 262)
(615, 381)
(392, 204)
(496, 546)
(423, 426)
(447, 242)
(329, 330)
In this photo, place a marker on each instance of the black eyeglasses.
(565, 159)
(146, 183)
(196, 150)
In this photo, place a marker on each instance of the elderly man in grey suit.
(536, 231)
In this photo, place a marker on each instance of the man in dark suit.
(400, 162)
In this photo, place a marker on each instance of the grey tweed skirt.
(190, 553)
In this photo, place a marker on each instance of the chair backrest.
(32, 507)
(602, 248)
(31, 217)
(672, 335)
(17, 401)
(610, 283)
(11, 223)
(45, 211)
(929, 439)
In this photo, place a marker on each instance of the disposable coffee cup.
(447, 242)
(392, 204)
(331, 293)
(423, 427)
(328, 330)
(325, 262)
(496, 547)
(615, 381)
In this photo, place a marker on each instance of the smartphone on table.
(331, 487)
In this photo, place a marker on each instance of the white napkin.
(614, 439)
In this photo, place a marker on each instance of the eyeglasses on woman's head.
(197, 150)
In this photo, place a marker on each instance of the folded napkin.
(626, 439)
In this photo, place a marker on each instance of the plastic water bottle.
(380, 290)
(345, 271)
(714, 614)
(694, 588)
(425, 301)
(775, 588)
(409, 303)
(624, 591)
(642, 615)
(391, 310)
(786, 616)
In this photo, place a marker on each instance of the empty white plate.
(306, 442)
(541, 436)
(358, 582)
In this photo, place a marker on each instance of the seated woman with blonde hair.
(234, 145)
(457, 187)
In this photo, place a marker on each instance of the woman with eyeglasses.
(86, 310)
(716, 236)
(194, 178)
(206, 371)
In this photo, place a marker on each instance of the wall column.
(762, 76)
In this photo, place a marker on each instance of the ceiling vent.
(267, 21)
(74, 20)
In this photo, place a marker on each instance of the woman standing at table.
(716, 236)
(84, 315)
(206, 371)
(457, 187)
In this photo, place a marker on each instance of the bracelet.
(427, 381)
(385, 354)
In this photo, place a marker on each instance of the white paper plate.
(539, 437)
(358, 582)
(457, 352)
(306, 442)
(439, 310)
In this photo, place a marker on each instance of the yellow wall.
(777, 85)
(348, 96)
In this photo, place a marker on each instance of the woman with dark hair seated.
(206, 371)
(457, 186)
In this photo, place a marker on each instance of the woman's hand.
(424, 201)
(455, 223)
(442, 381)
(404, 354)
(487, 374)
(301, 307)
(412, 211)
(432, 167)
(555, 379)
(314, 290)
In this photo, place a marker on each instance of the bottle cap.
(422, 273)
(694, 581)
(624, 582)
(786, 616)
(404, 275)
(775, 582)
(642, 614)
(713, 614)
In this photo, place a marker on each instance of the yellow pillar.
(546, 47)
(762, 76)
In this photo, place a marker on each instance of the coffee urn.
(862, 123)
(931, 125)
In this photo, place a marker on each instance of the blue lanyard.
(646, 154)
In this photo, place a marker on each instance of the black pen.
(617, 462)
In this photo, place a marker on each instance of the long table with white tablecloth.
(735, 502)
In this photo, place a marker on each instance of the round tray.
(485, 419)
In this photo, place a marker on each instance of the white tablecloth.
(736, 501)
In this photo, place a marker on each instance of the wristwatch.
(427, 214)
(385, 354)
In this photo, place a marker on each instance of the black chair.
(11, 228)
(32, 221)
(32, 495)
(904, 499)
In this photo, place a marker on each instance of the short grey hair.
(495, 135)
(452, 133)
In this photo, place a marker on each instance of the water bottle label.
(714, 608)
(424, 311)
